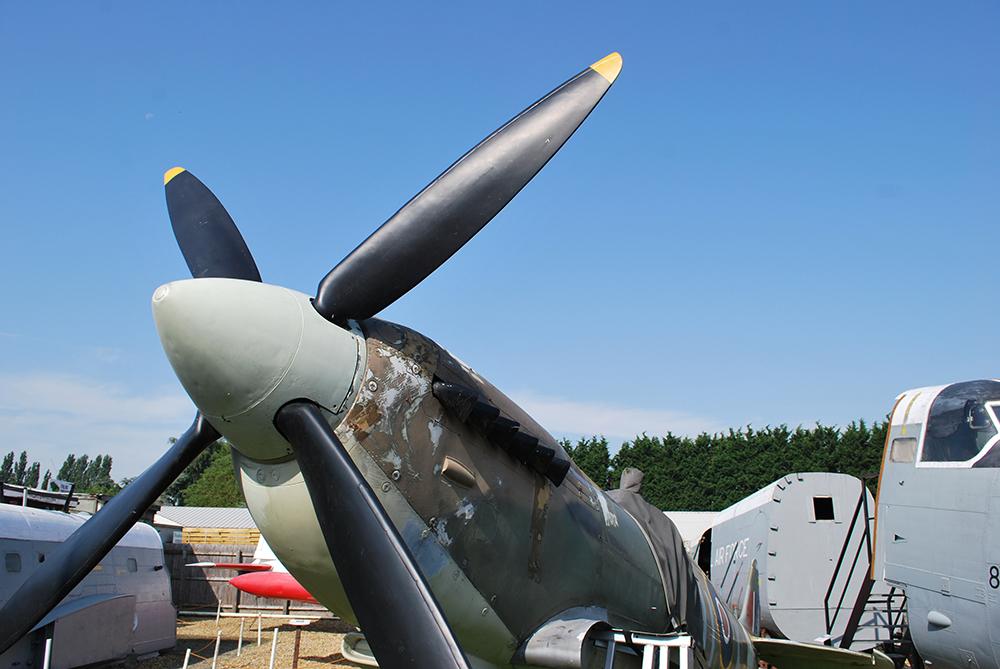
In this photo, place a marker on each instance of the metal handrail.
(862, 506)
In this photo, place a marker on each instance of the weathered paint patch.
(610, 519)
(539, 513)
(465, 510)
(428, 555)
(440, 529)
(435, 430)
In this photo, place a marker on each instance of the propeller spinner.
(247, 354)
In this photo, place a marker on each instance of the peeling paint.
(610, 519)
(435, 430)
(465, 510)
(441, 530)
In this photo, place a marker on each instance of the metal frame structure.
(655, 649)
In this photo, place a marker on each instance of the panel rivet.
(373, 385)
(485, 610)
(386, 486)
(395, 474)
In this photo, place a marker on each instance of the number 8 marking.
(994, 577)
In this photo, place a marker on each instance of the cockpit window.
(961, 422)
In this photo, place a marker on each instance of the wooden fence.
(203, 588)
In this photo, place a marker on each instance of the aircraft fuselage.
(503, 547)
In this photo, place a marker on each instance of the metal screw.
(485, 610)
(373, 385)
(386, 486)
(395, 474)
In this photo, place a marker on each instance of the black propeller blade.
(68, 564)
(432, 226)
(397, 611)
(209, 240)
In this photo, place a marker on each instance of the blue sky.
(782, 212)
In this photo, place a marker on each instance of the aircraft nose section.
(244, 349)
(230, 342)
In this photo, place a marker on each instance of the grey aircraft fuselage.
(121, 607)
(938, 520)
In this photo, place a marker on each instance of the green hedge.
(710, 472)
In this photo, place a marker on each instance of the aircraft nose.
(230, 342)
(244, 349)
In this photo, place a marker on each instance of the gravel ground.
(320, 645)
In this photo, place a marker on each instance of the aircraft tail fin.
(750, 607)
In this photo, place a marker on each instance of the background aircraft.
(263, 576)
(121, 607)
(937, 526)
(401, 488)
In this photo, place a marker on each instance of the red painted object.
(279, 585)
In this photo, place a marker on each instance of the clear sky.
(782, 212)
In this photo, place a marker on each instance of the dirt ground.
(319, 647)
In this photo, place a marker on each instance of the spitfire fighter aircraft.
(398, 486)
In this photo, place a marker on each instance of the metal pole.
(609, 660)
(258, 628)
(48, 653)
(295, 653)
(218, 614)
(274, 648)
(187, 658)
(239, 644)
(647, 657)
(236, 605)
(215, 655)
(69, 497)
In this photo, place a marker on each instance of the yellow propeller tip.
(609, 66)
(171, 173)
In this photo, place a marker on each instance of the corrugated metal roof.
(204, 516)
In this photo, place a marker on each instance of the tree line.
(89, 475)
(712, 471)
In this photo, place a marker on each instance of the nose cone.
(230, 342)
(243, 349)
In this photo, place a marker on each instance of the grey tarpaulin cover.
(679, 581)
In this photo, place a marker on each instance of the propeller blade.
(68, 564)
(436, 223)
(400, 616)
(210, 241)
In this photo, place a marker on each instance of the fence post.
(48, 653)
(218, 640)
(274, 648)
(295, 653)
(236, 604)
